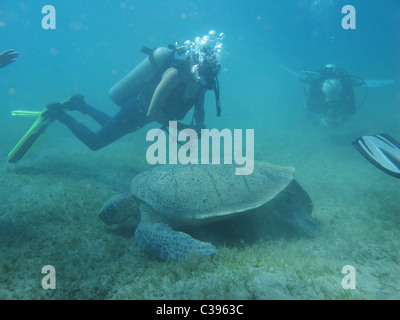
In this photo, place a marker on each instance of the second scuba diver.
(330, 95)
(161, 88)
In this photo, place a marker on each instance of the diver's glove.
(76, 103)
(7, 57)
(53, 111)
(332, 122)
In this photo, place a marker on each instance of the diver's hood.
(329, 68)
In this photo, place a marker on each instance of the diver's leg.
(78, 103)
(127, 120)
(99, 116)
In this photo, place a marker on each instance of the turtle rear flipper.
(299, 219)
(294, 206)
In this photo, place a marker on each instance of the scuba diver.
(161, 88)
(330, 95)
(7, 57)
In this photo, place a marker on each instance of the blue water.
(96, 43)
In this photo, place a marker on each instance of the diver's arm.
(167, 84)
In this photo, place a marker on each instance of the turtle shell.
(194, 193)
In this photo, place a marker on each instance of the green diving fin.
(33, 135)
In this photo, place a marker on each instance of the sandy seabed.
(50, 201)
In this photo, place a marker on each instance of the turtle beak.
(108, 213)
(118, 209)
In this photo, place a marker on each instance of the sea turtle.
(178, 195)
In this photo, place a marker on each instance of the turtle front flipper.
(118, 209)
(160, 240)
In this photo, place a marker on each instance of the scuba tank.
(130, 85)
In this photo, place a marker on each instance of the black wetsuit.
(131, 117)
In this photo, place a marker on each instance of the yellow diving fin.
(33, 135)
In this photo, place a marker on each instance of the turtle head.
(118, 209)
